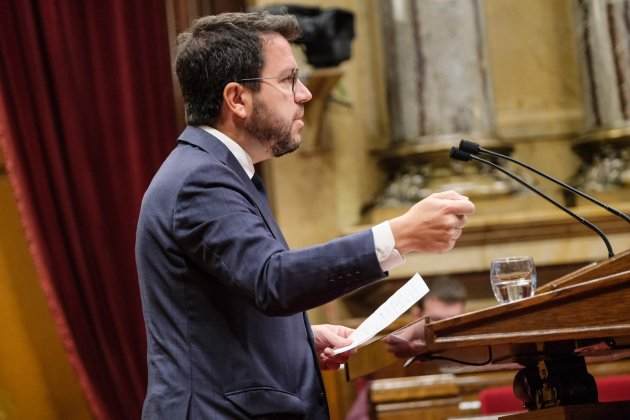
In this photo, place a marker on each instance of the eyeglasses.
(290, 79)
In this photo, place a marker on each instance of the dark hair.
(220, 49)
(447, 290)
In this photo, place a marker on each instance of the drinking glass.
(513, 278)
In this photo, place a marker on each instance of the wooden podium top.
(588, 310)
(616, 264)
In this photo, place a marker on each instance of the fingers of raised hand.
(454, 221)
(456, 233)
(461, 219)
(449, 195)
(460, 207)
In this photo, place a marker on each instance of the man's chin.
(286, 148)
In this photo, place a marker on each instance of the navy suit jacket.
(224, 298)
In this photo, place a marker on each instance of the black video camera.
(326, 34)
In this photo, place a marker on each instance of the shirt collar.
(239, 153)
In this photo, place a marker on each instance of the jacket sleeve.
(217, 224)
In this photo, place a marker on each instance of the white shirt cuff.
(384, 247)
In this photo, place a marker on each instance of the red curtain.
(86, 107)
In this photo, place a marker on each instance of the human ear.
(237, 99)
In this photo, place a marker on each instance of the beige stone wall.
(536, 83)
(532, 51)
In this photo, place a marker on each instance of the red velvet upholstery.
(614, 388)
(499, 399)
(502, 400)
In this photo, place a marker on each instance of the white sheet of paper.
(396, 305)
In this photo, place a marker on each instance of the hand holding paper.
(388, 312)
(327, 337)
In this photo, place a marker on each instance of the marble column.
(439, 92)
(603, 35)
(437, 70)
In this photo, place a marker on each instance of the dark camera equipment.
(327, 34)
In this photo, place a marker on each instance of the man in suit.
(223, 296)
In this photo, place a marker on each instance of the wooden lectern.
(578, 319)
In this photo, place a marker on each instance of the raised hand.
(433, 224)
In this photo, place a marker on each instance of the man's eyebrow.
(290, 71)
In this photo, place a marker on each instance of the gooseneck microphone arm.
(473, 148)
(459, 154)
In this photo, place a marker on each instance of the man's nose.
(302, 94)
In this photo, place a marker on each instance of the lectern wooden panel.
(584, 315)
(616, 264)
(596, 308)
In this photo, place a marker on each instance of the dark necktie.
(259, 185)
(266, 210)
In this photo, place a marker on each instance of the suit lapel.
(204, 140)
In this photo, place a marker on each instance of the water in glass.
(513, 278)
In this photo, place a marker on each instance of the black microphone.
(474, 149)
(459, 154)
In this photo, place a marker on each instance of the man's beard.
(271, 131)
